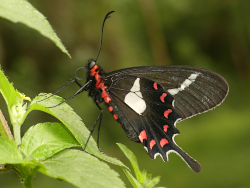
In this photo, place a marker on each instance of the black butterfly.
(148, 101)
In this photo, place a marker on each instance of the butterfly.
(149, 101)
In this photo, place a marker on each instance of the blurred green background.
(211, 34)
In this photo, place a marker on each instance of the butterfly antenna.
(100, 47)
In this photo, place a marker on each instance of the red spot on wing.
(143, 135)
(155, 86)
(110, 108)
(163, 142)
(162, 97)
(115, 116)
(167, 112)
(152, 143)
(165, 128)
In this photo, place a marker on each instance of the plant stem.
(28, 180)
(4, 128)
(17, 134)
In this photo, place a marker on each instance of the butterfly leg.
(59, 89)
(99, 126)
(77, 82)
(93, 128)
(76, 93)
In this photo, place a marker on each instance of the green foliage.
(44, 146)
(85, 170)
(42, 136)
(142, 178)
(22, 11)
(9, 152)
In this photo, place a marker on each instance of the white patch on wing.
(185, 84)
(157, 155)
(134, 98)
(177, 121)
(173, 151)
(173, 102)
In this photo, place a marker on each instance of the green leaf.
(45, 139)
(132, 180)
(76, 167)
(152, 183)
(9, 153)
(73, 123)
(15, 104)
(22, 11)
(8, 91)
(143, 179)
(133, 160)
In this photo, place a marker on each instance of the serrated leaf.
(22, 11)
(133, 160)
(73, 123)
(9, 153)
(45, 139)
(76, 167)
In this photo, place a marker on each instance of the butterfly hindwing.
(146, 112)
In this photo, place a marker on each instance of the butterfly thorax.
(97, 87)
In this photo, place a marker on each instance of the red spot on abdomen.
(110, 108)
(93, 70)
(143, 135)
(115, 116)
(163, 142)
(101, 85)
(162, 97)
(104, 94)
(107, 99)
(167, 112)
(152, 143)
(165, 128)
(155, 86)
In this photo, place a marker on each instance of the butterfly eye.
(91, 64)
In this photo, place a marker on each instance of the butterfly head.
(90, 64)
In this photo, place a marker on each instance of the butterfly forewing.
(195, 90)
